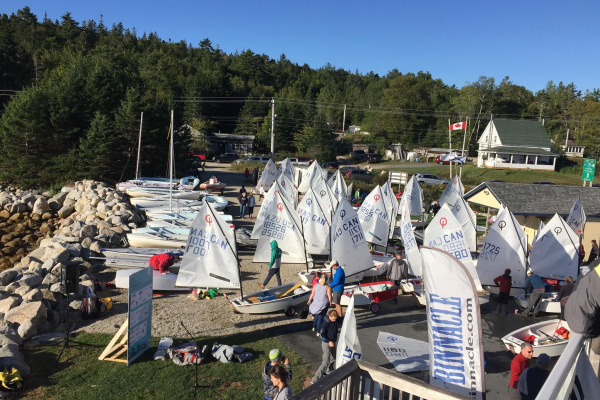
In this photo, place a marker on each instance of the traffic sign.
(589, 166)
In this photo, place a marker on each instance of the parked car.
(330, 164)
(258, 159)
(344, 170)
(438, 160)
(372, 157)
(198, 154)
(303, 161)
(360, 175)
(358, 155)
(226, 157)
(543, 183)
(430, 179)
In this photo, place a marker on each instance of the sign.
(398, 178)
(589, 166)
(140, 313)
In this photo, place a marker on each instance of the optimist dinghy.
(162, 282)
(370, 294)
(546, 339)
(279, 298)
(549, 303)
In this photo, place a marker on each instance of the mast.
(137, 165)
(171, 166)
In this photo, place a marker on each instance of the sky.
(530, 41)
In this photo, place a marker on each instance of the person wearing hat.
(398, 269)
(337, 286)
(275, 358)
(532, 379)
(162, 262)
(537, 293)
(274, 265)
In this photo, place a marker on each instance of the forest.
(71, 94)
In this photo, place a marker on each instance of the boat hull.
(162, 282)
(149, 240)
(547, 305)
(543, 332)
(367, 293)
(251, 303)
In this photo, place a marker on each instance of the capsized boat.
(285, 297)
(546, 338)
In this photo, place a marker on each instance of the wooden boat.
(279, 298)
(370, 294)
(549, 303)
(546, 339)
(163, 282)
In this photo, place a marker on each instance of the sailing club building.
(532, 203)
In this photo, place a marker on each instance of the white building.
(515, 144)
(573, 150)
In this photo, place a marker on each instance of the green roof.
(522, 132)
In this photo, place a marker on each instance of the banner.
(210, 257)
(555, 253)
(405, 354)
(454, 325)
(374, 218)
(348, 345)
(444, 232)
(576, 219)
(410, 244)
(505, 247)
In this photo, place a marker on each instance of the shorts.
(336, 296)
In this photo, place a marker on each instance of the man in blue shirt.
(337, 286)
(537, 293)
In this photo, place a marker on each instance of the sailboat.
(268, 176)
(338, 185)
(453, 192)
(316, 223)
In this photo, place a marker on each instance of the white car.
(430, 179)
(259, 159)
(301, 161)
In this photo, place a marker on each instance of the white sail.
(210, 255)
(264, 207)
(286, 169)
(576, 219)
(268, 176)
(388, 192)
(309, 176)
(555, 253)
(281, 224)
(374, 218)
(348, 244)
(413, 194)
(304, 175)
(337, 185)
(348, 346)
(288, 190)
(325, 196)
(452, 193)
(349, 191)
(467, 220)
(410, 244)
(454, 324)
(505, 247)
(444, 232)
(315, 222)
(537, 233)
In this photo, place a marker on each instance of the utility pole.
(273, 129)
(137, 165)
(344, 120)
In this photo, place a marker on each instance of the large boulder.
(33, 311)
(58, 254)
(32, 280)
(9, 303)
(8, 276)
(28, 329)
(65, 211)
(11, 357)
(33, 295)
(40, 206)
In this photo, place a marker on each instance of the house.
(356, 129)
(573, 150)
(531, 203)
(516, 144)
(220, 143)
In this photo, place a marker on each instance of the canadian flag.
(458, 126)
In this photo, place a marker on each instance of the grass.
(80, 375)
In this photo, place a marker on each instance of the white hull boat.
(546, 339)
(370, 294)
(308, 276)
(162, 282)
(159, 192)
(167, 238)
(133, 252)
(549, 303)
(279, 298)
(175, 220)
(412, 285)
(381, 264)
(514, 292)
(162, 204)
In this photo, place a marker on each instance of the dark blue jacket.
(329, 329)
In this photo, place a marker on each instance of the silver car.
(430, 179)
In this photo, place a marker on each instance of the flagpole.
(450, 144)
(462, 153)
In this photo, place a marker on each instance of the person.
(504, 283)
(318, 302)
(398, 269)
(593, 252)
(283, 391)
(276, 358)
(255, 176)
(435, 207)
(203, 166)
(563, 295)
(261, 192)
(274, 265)
(581, 253)
(519, 364)
(329, 331)
(357, 194)
(537, 293)
(582, 311)
(251, 204)
(247, 174)
(337, 286)
(162, 262)
(532, 379)
(242, 190)
(243, 205)
(317, 278)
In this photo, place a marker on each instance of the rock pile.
(65, 229)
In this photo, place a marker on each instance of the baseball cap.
(275, 354)
(334, 262)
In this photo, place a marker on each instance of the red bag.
(529, 339)
(563, 332)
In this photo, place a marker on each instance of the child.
(329, 331)
(276, 359)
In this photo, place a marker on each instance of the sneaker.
(318, 335)
(312, 382)
(313, 329)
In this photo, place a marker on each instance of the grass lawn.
(80, 375)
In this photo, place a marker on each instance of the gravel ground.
(212, 317)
